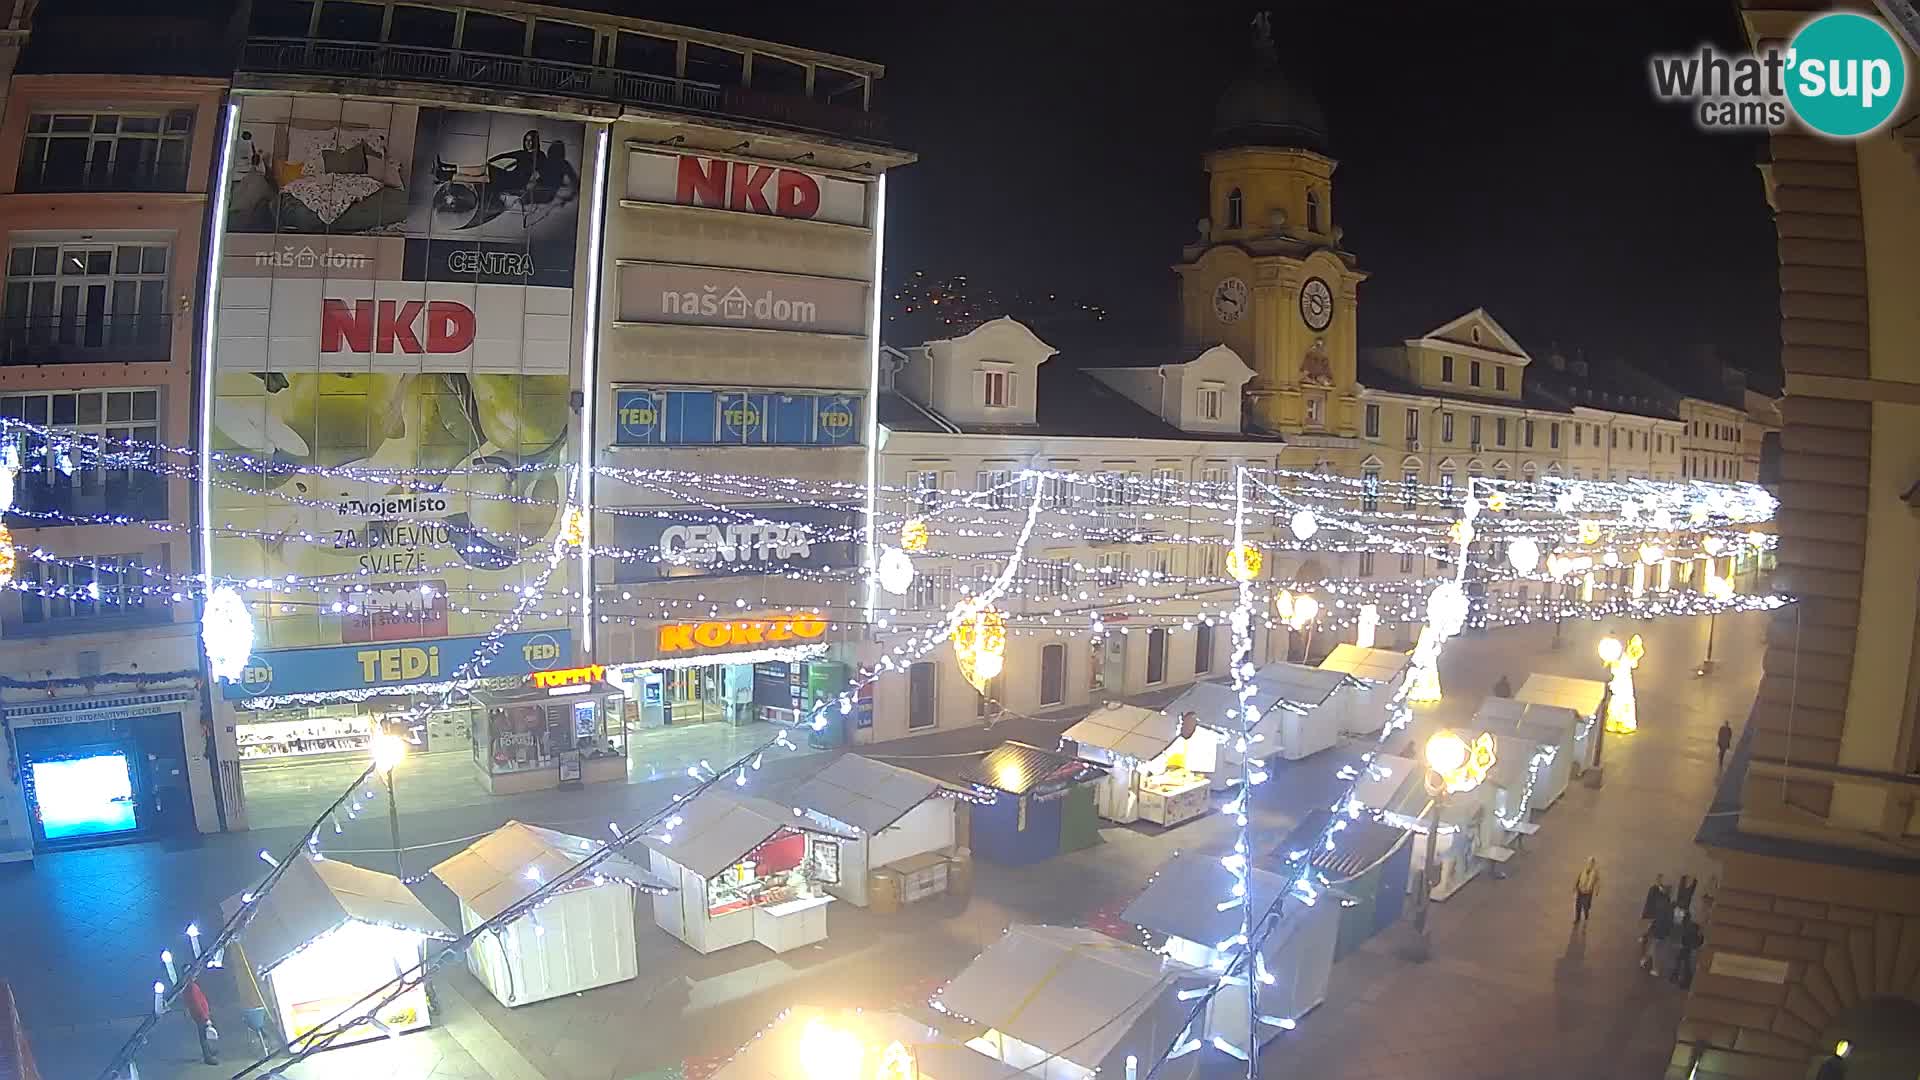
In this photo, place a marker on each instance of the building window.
(921, 703)
(1214, 475)
(1499, 377)
(996, 389)
(1373, 421)
(108, 587)
(1577, 430)
(1413, 427)
(107, 419)
(1316, 410)
(62, 298)
(1446, 485)
(1553, 436)
(1210, 562)
(1236, 209)
(106, 151)
(932, 590)
(1370, 489)
(1446, 427)
(1211, 403)
(1500, 431)
(1596, 436)
(1156, 656)
(1473, 431)
(1446, 369)
(1473, 373)
(926, 489)
(1526, 433)
(1406, 562)
(1613, 438)
(1202, 648)
(997, 485)
(1409, 488)
(1313, 211)
(1167, 484)
(1056, 492)
(1053, 674)
(1366, 564)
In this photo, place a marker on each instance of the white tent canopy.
(1379, 673)
(1287, 699)
(1383, 777)
(508, 864)
(718, 829)
(1521, 726)
(314, 897)
(1583, 696)
(1127, 731)
(1073, 995)
(898, 814)
(789, 1049)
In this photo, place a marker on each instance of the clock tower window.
(1236, 209)
(1313, 211)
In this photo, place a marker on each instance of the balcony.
(44, 499)
(102, 339)
(521, 74)
(91, 175)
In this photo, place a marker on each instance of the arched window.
(1313, 211)
(1236, 209)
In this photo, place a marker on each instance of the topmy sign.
(744, 187)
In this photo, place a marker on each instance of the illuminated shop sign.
(692, 636)
(744, 187)
(750, 540)
(362, 667)
(573, 676)
(750, 299)
(662, 416)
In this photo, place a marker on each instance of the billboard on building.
(397, 297)
(753, 299)
(744, 187)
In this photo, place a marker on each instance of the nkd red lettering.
(387, 326)
(737, 185)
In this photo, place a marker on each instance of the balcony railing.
(82, 339)
(48, 177)
(414, 63)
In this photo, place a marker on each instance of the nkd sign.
(745, 187)
(395, 326)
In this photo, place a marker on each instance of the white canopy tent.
(1541, 735)
(1468, 822)
(581, 938)
(896, 814)
(1382, 779)
(1584, 696)
(808, 1042)
(1183, 903)
(1062, 1003)
(1297, 709)
(1379, 673)
(1155, 772)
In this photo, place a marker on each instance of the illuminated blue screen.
(85, 796)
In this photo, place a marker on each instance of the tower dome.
(1263, 108)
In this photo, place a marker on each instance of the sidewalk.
(1507, 993)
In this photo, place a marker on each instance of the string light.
(1243, 562)
(895, 571)
(8, 558)
(226, 631)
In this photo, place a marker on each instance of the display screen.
(86, 796)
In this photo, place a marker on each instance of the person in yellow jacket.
(1584, 888)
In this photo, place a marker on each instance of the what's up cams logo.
(1843, 75)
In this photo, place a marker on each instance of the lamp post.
(1452, 766)
(388, 751)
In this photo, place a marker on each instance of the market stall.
(811, 1043)
(744, 869)
(1183, 903)
(1297, 709)
(1043, 804)
(1585, 697)
(1378, 673)
(328, 934)
(1469, 826)
(1065, 1003)
(1368, 868)
(1159, 764)
(1542, 736)
(579, 939)
(907, 831)
(564, 726)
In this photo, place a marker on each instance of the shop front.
(558, 727)
(770, 668)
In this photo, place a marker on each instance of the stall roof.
(1548, 725)
(1299, 684)
(505, 866)
(1177, 901)
(1127, 730)
(1357, 847)
(1017, 769)
(775, 1054)
(1583, 696)
(867, 794)
(1070, 992)
(317, 896)
(1373, 665)
(1382, 778)
(717, 830)
(1293, 686)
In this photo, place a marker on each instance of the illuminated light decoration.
(895, 571)
(1719, 588)
(1497, 501)
(1559, 566)
(1651, 553)
(589, 370)
(829, 1053)
(389, 750)
(1629, 510)
(226, 632)
(1447, 609)
(1243, 562)
(7, 472)
(1424, 686)
(1610, 558)
(1662, 518)
(1367, 625)
(1523, 554)
(1303, 526)
(1713, 545)
(1470, 508)
(913, 536)
(980, 645)
(1756, 540)
(1461, 532)
(202, 452)
(573, 527)
(1461, 766)
(1697, 514)
(1566, 499)
(1295, 611)
(1622, 716)
(1589, 532)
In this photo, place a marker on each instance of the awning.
(1019, 769)
(1181, 900)
(1372, 665)
(508, 864)
(717, 830)
(1071, 993)
(314, 897)
(1383, 777)
(864, 793)
(1127, 730)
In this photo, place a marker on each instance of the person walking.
(1683, 891)
(1723, 740)
(201, 1014)
(1503, 688)
(1659, 933)
(1584, 888)
(1688, 940)
(1835, 1067)
(1657, 898)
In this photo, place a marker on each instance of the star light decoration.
(1243, 562)
(1460, 765)
(226, 630)
(980, 644)
(1295, 611)
(894, 571)
(1622, 716)
(913, 536)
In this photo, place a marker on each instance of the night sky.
(1505, 155)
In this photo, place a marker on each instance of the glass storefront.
(534, 738)
(777, 692)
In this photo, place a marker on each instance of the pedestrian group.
(1671, 936)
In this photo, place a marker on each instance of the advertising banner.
(699, 417)
(397, 297)
(363, 667)
(754, 540)
(744, 187)
(717, 296)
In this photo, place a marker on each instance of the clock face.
(1229, 299)
(1316, 304)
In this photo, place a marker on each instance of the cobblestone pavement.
(1509, 991)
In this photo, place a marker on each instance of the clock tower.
(1267, 276)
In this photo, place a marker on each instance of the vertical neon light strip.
(216, 249)
(873, 389)
(589, 375)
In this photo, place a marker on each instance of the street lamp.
(1720, 590)
(1454, 766)
(389, 750)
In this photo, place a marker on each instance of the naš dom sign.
(788, 629)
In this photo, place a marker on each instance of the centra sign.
(692, 636)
